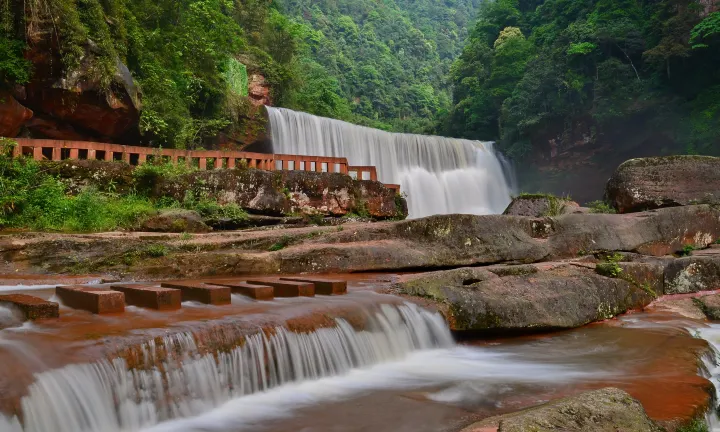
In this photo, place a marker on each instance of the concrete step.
(151, 297)
(283, 288)
(32, 307)
(201, 292)
(98, 300)
(322, 286)
(257, 292)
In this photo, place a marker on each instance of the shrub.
(601, 207)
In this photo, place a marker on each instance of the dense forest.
(384, 64)
(541, 74)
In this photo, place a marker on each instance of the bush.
(601, 207)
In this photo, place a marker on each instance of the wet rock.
(526, 298)
(540, 205)
(692, 274)
(32, 308)
(12, 115)
(650, 276)
(649, 183)
(605, 410)
(710, 306)
(175, 221)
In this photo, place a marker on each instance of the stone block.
(98, 300)
(322, 286)
(151, 297)
(284, 288)
(257, 292)
(646, 275)
(32, 307)
(201, 292)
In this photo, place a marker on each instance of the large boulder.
(12, 115)
(175, 221)
(278, 193)
(524, 298)
(650, 183)
(605, 410)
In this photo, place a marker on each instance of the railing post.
(74, 153)
(202, 164)
(37, 153)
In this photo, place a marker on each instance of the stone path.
(169, 295)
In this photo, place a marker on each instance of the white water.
(439, 175)
(265, 378)
(712, 335)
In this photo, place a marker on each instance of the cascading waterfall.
(439, 175)
(109, 396)
(712, 365)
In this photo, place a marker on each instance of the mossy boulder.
(175, 221)
(541, 205)
(115, 177)
(605, 410)
(281, 193)
(521, 299)
(650, 183)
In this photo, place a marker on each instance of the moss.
(516, 270)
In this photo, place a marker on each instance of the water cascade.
(439, 175)
(173, 386)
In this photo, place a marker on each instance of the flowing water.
(395, 369)
(439, 175)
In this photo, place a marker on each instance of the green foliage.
(697, 425)
(600, 207)
(237, 77)
(687, 250)
(155, 251)
(284, 242)
(381, 64)
(589, 71)
(211, 209)
(706, 31)
(609, 266)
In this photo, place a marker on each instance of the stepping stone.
(322, 286)
(97, 300)
(151, 297)
(287, 288)
(257, 292)
(201, 292)
(32, 307)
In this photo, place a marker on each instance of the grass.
(30, 198)
(284, 242)
(697, 425)
(600, 207)
(687, 250)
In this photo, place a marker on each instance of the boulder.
(12, 115)
(605, 410)
(650, 183)
(115, 177)
(175, 221)
(278, 193)
(710, 306)
(540, 205)
(692, 274)
(524, 298)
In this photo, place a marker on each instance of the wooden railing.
(57, 150)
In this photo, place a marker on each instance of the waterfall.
(439, 175)
(110, 396)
